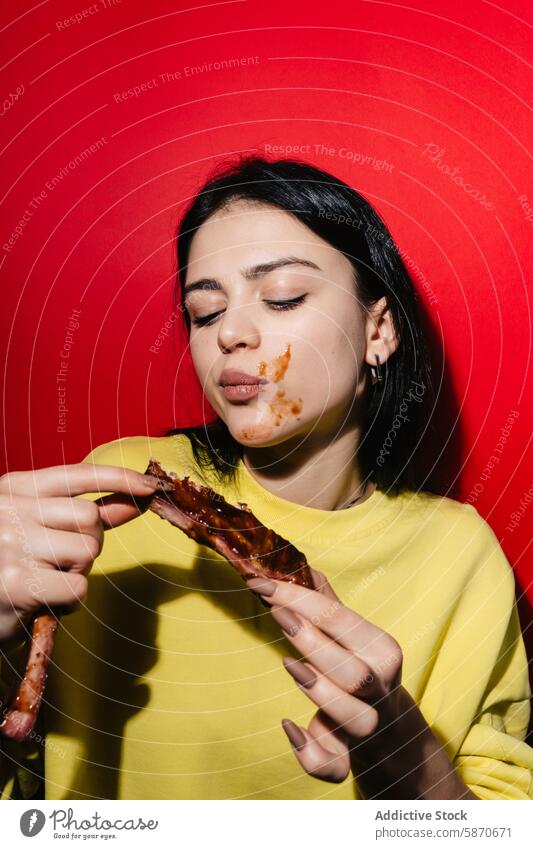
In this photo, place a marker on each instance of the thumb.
(117, 509)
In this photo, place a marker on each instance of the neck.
(324, 475)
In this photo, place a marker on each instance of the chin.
(262, 435)
(254, 434)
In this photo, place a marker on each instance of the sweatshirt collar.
(360, 519)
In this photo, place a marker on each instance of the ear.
(381, 336)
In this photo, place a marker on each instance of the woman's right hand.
(49, 539)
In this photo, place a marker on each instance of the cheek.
(313, 364)
(328, 354)
(204, 353)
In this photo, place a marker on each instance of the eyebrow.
(252, 273)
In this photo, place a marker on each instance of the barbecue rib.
(21, 715)
(234, 532)
(252, 549)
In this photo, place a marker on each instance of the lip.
(241, 391)
(234, 377)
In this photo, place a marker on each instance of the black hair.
(341, 216)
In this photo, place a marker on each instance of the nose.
(237, 329)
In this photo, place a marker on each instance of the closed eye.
(274, 305)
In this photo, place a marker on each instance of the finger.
(61, 588)
(41, 588)
(77, 479)
(320, 751)
(331, 616)
(357, 718)
(343, 667)
(62, 514)
(328, 734)
(117, 509)
(63, 549)
(322, 585)
(82, 514)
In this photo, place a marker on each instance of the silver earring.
(377, 376)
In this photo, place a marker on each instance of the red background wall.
(378, 79)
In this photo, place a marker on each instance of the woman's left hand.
(352, 673)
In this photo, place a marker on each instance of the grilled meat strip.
(21, 715)
(252, 549)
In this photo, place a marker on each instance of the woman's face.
(310, 355)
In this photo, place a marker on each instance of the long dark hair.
(341, 216)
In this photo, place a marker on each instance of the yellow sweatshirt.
(169, 682)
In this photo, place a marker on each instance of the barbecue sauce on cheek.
(281, 407)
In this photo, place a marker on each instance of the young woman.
(402, 675)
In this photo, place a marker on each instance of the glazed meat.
(252, 549)
(21, 715)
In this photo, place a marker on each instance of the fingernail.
(287, 620)
(151, 480)
(295, 734)
(300, 672)
(262, 586)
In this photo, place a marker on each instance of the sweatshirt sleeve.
(493, 759)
